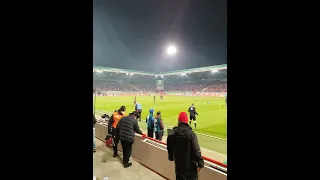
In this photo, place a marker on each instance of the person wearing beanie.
(150, 123)
(158, 126)
(112, 125)
(125, 132)
(183, 148)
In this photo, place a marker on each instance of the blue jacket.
(150, 120)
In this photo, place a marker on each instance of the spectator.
(138, 109)
(112, 124)
(94, 133)
(125, 132)
(158, 126)
(150, 123)
(183, 148)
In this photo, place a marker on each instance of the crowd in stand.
(216, 88)
(220, 87)
(123, 87)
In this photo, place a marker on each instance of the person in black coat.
(193, 113)
(183, 148)
(125, 132)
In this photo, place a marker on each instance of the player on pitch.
(192, 113)
(135, 101)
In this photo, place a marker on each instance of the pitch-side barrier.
(153, 154)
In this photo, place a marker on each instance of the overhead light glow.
(171, 50)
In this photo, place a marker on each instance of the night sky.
(134, 34)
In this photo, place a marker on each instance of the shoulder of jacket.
(191, 133)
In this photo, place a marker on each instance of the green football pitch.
(211, 121)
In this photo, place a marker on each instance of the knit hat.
(183, 117)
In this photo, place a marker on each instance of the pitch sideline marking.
(194, 132)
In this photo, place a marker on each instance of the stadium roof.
(200, 69)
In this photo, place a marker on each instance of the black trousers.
(159, 135)
(186, 176)
(150, 133)
(127, 148)
(115, 142)
(139, 112)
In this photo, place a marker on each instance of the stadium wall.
(144, 149)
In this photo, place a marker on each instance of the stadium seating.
(189, 81)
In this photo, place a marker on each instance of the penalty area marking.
(194, 132)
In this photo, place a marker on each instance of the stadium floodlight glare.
(162, 76)
(131, 74)
(214, 71)
(183, 74)
(171, 50)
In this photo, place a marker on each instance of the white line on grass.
(100, 111)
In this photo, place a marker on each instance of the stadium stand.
(207, 79)
(199, 81)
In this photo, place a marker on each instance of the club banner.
(159, 84)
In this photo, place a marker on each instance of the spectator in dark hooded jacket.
(125, 132)
(150, 123)
(94, 122)
(183, 148)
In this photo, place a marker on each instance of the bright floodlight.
(171, 50)
(214, 71)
